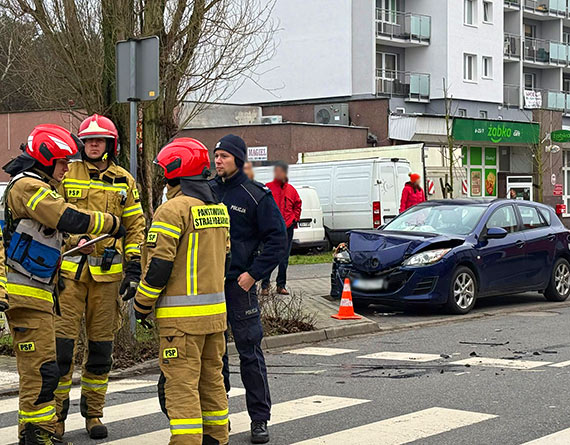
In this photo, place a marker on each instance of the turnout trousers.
(191, 386)
(245, 321)
(100, 304)
(34, 344)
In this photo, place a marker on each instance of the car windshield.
(440, 219)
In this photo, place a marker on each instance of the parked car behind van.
(310, 232)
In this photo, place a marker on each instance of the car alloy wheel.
(464, 290)
(562, 278)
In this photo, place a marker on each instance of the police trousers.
(191, 387)
(33, 335)
(245, 322)
(100, 304)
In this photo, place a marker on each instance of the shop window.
(483, 114)
(505, 159)
(461, 112)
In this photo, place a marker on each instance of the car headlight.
(426, 258)
(342, 256)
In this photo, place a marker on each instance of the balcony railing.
(512, 45)
(556, 7)
(412, 86)
(403, 25)
(512, 96)
(545, 51)
(513, 3)
(536, 98)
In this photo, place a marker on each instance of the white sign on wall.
(257, 153)
(532, 99)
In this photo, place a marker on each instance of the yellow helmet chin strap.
(105, 156)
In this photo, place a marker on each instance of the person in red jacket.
(289, 204)
(412, 193)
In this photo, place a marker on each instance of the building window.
(386, 72)
(566, 85)
(483, 114)
(529, 81)
(488, 67)
(566, 37)
(461, 112)
(469, 12)
(469, 67)
(566, 179)
(530, 31)
(487, 12)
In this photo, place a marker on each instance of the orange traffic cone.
(346, 310)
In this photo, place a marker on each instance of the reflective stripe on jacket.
(184, 264)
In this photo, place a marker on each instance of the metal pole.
(133, 110)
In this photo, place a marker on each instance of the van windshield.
(439, 219)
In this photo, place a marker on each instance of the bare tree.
(205, 45)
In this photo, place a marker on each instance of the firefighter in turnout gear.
(37, 219)
(184, 267)
(92, 279)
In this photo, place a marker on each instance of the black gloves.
(141, 319)
(120, 233)
(129, 285)
(4, 306)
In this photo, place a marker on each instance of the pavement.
(499, 379)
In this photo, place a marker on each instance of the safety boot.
(265, 292)
(282, 291)
(36, 435)
(95, 428)
(60, 428)
(259, 432)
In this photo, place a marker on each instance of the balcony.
(545, 8)
(402, 29)
(542, 53)
(413, 87)
(536, 98)
(512, 5)
(512, 46)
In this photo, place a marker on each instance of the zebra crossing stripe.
(402, 356)
(501, 363)
(560, 364)
(403, 429)
(559, 438)
(325, 352)
(280, 413)
(113, 413)
(123, 385)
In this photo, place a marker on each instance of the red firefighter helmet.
(48, 142)
(97, 126)
(183, 157)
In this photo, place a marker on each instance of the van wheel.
(462, 291)
(559, 285)
(327, 247)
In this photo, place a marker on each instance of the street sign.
(138, 58)
(137, 78)
(558, 190)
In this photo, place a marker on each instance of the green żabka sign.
(560, 136)
(496, 132)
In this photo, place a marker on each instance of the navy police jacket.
(254, 220)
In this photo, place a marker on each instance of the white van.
(356, 194)
(310, 231)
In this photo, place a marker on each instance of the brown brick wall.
(285, 141)
(16, 127)
(372, 113)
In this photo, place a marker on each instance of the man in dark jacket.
(254, 219)
(289, 204)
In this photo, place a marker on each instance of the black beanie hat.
(234, 145)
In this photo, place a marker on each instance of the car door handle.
(551, 237)
(520, 244)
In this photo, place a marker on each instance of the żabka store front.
(497, 156)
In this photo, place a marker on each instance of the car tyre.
(462, 291)
(360, 305)
(559, 285)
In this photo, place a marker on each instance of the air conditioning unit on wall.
(334, 114)
(271, 119)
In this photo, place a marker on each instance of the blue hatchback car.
(451, 252)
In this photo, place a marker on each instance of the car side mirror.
(496, 233)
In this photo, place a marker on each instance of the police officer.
(37, 218)
(185, 262)
(91, 280)
(255, 219)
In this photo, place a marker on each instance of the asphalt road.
(416, 389)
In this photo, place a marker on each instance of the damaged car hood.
(374, 251)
